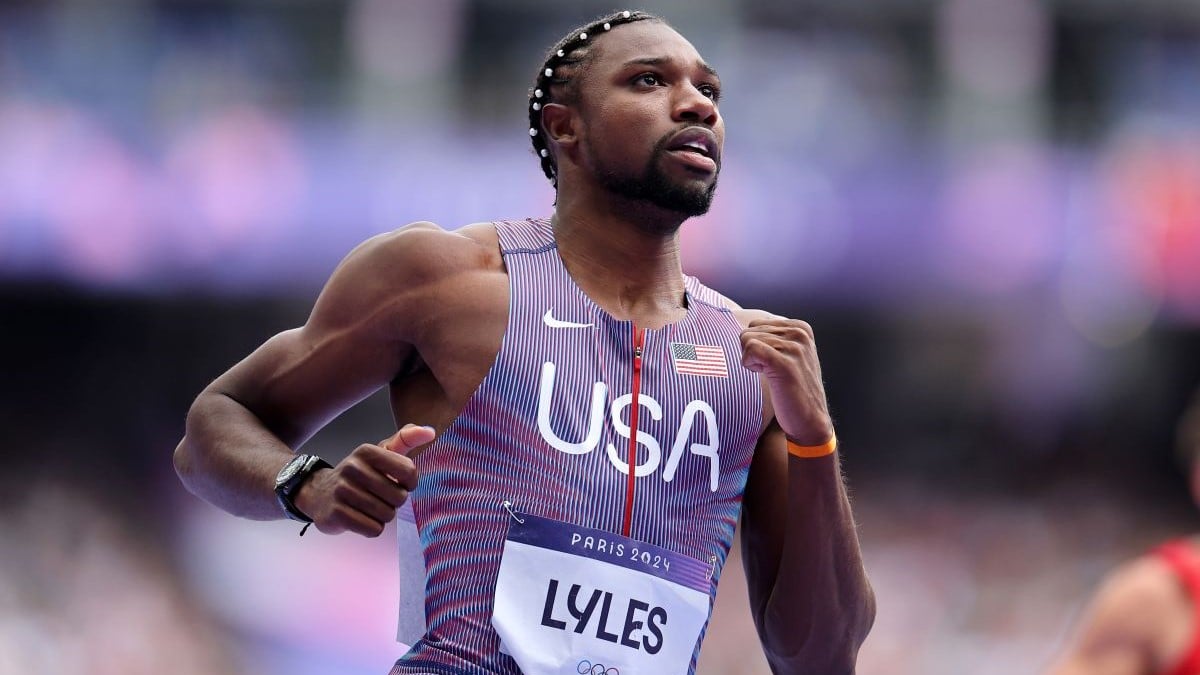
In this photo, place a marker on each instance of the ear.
(560, 125)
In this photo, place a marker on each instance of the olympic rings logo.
(586, 667)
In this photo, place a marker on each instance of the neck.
(624, 256)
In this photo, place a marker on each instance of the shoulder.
(1147, 580)
(424, 250)
(1134, 599)
(717, 299)
(1127, 626)
(401, 267)
(747, 316)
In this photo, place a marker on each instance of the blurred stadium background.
(990, 210)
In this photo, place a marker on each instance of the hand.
(784, 352)
(361, 494)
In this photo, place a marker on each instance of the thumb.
(408, 437)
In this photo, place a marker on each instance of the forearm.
(229, 458)
(821, 605)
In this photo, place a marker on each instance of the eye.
(711, 91)
(648, 79)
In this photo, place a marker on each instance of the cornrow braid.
(556, 79)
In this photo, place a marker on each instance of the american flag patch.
(704, 360)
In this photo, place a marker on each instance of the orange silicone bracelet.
(812, 451)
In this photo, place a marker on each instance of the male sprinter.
(593, 421)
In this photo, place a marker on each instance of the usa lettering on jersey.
(696, 411)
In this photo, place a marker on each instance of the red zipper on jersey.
(639, 337)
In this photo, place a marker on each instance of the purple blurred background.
(989, 210)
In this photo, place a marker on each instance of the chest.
(672, 403)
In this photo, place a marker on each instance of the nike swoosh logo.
(549, 320)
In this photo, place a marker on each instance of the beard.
(652, 185)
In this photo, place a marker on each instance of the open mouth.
(695, 147)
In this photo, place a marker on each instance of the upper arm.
(357, 338)
(1116, 634)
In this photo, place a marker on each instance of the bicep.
(354, 342)
(296, 382)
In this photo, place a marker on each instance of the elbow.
(183, 462)
(186, 458)
(828, 652)
(186, 465)
(828, 644)
(869, 615)
(836, 656)
(861, 617)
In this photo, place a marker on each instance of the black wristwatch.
(290, 478)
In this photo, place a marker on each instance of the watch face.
(289, 470)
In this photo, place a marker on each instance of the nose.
(691, 105)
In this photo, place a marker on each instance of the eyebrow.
(662, 60)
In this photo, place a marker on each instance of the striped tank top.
(549, 431)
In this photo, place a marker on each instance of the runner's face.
(652, 131)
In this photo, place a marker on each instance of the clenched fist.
(785, 353)
(361, 494)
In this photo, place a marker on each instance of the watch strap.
(286, 489)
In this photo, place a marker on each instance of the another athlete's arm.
(809, 593)
(244, 426)
(1117, 634)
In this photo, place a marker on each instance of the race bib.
(572, 599)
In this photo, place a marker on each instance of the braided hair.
(557, 79)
